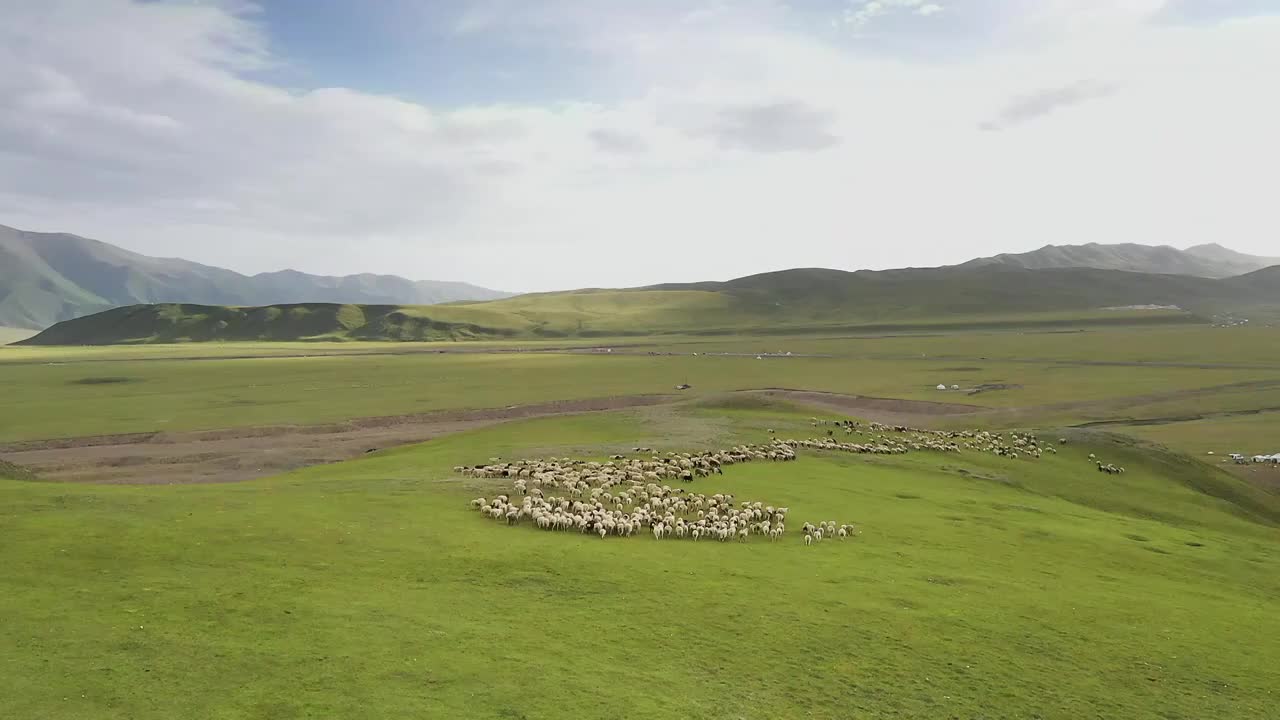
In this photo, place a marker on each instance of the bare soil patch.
(236, 454)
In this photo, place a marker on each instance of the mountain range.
(785, 302)
(59, 278)
(1210, 261)
(49, 277)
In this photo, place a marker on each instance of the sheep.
(625, 495)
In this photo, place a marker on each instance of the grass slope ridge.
(49, 277)
(783, 302)
(1210, 261)
(9, 471)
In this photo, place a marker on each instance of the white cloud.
(731, 143)
(862, 12)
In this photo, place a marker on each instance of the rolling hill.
(49, 277)
(789, 301)
(1210, 261)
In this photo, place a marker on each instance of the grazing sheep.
(624, 496)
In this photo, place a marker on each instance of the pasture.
(56, 392)
(979, 587)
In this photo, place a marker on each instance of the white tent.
(942, 387)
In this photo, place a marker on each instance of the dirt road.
(245, 453)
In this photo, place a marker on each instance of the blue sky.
(413, 50)
(547, 144)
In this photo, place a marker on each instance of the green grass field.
(100, 397)
(980, 587)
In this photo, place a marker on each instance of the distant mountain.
(1231, 260)
(786, 302)
(49, 277)
(1210, 261)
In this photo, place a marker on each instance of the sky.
(533, 145)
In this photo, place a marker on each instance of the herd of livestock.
(625, 496)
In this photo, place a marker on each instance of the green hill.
(791, 301)
(50, 277)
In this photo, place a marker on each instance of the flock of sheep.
(1107, 468)
(1013, 445)
(625, 496)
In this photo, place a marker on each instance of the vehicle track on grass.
(891, 411)
(237, 454)
(245, 453)
(1172, 419)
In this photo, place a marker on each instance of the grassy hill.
(1211, 261)
(49, 277)
(791, 301)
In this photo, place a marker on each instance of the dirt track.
(892, 411)
(245, 453)
(237, 454)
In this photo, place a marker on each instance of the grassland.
(980, 587)
(100, 397)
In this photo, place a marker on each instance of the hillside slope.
(49, 277)
(1210, 261)
(781, 302)
(1230, 259)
